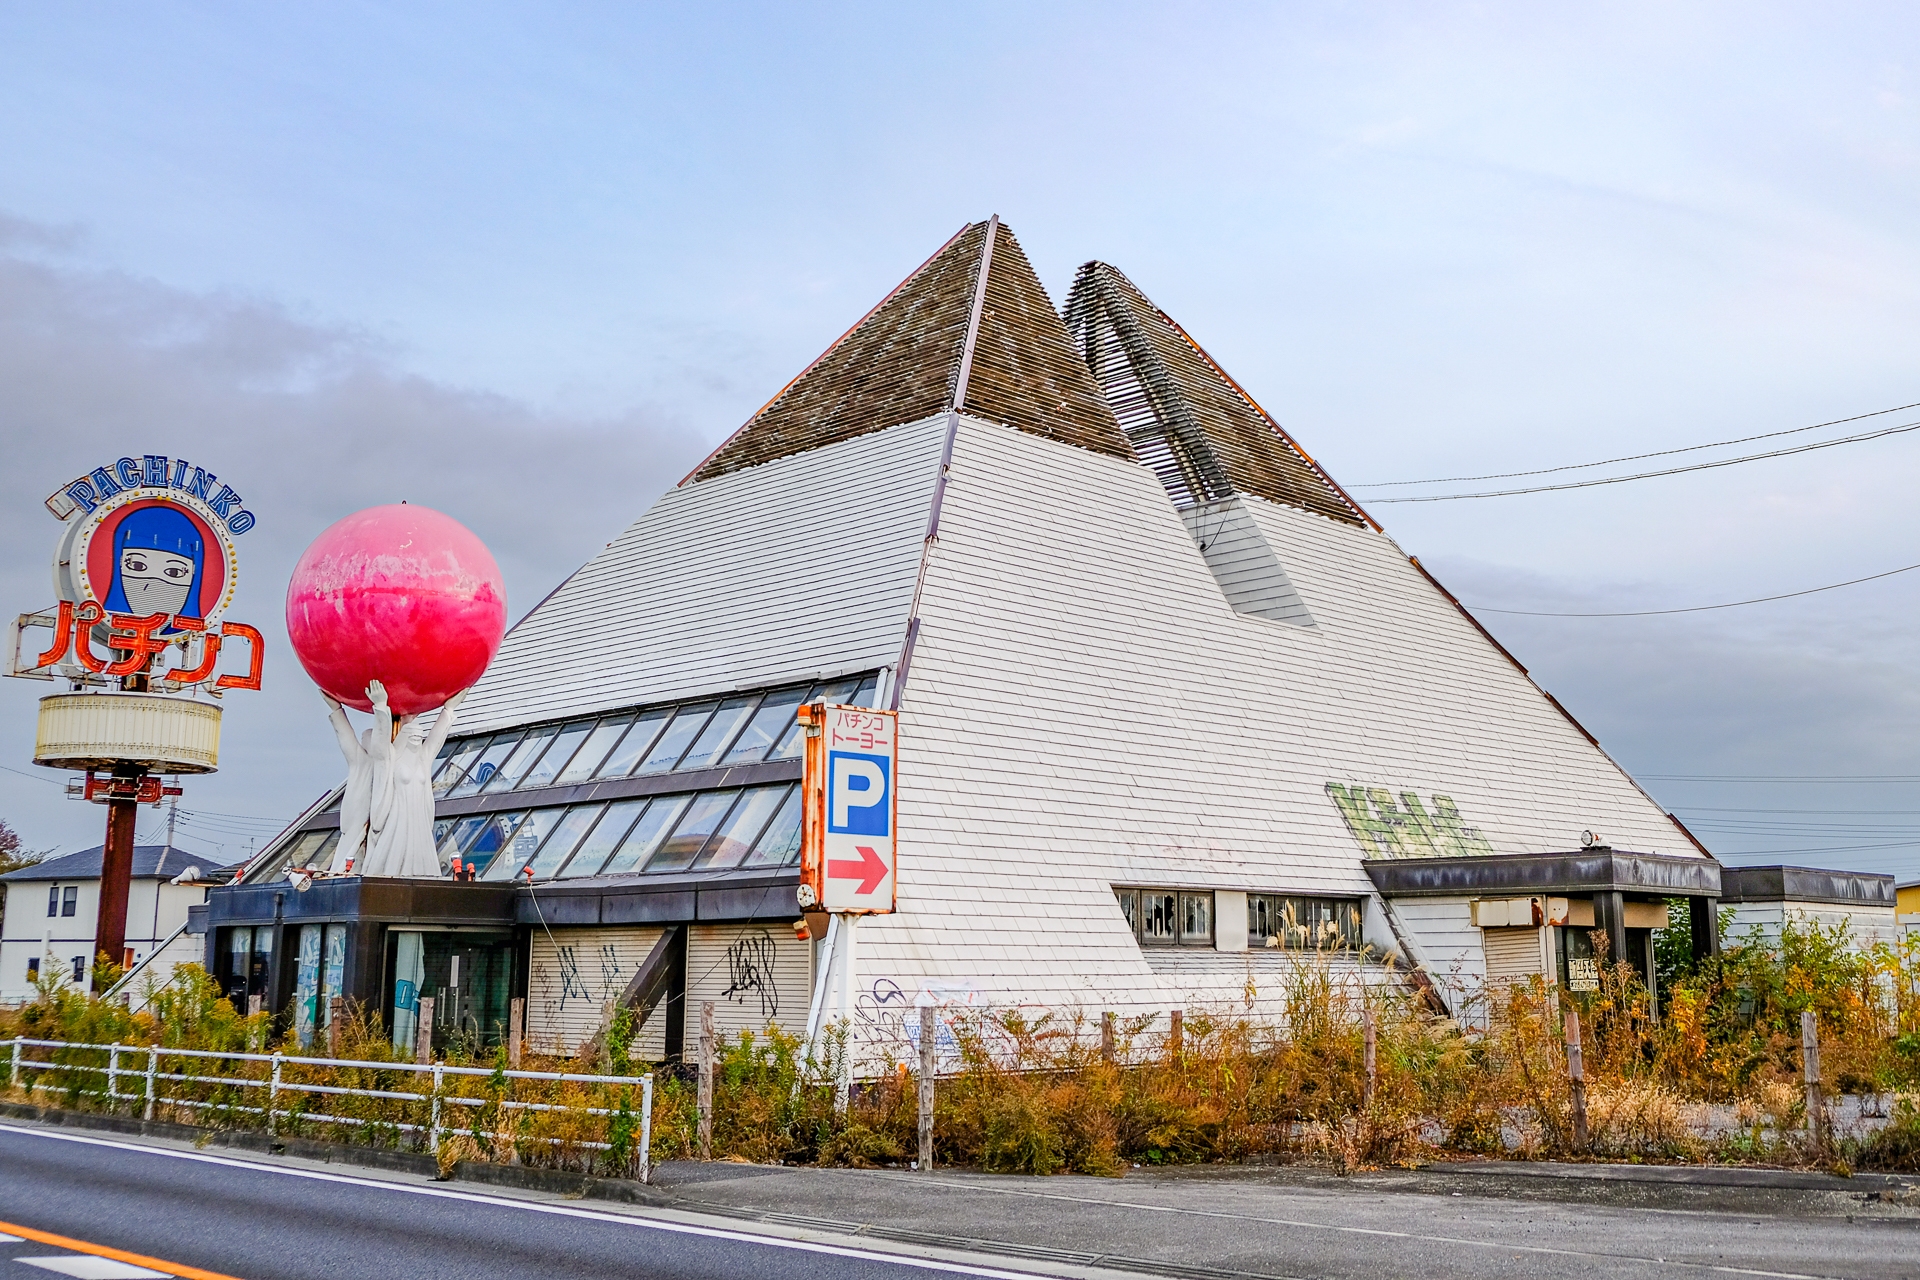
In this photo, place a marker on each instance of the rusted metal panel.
(1806, 884)
(1585, 872)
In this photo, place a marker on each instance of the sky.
(527, 265)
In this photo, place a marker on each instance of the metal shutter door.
(574, 973)
(755, 974)
(1511, 953)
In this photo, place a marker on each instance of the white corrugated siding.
(1249, 573)
(1511, 953)
(802, 567)
(1085, 708)
(755, 974)
(1867, 924)
(573, 975)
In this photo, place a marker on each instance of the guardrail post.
(1810, 1065)
(646, 1127)
(926, 1088)
(423, 1031)
(706, 1080)
(153, 1065)
(433, 1124)
(113, 1076)
(273, 1097)
(13, 1080)
(1577, 1080)
(1370, 1029)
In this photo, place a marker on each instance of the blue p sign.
(857, 794)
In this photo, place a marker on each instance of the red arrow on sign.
(869, 871)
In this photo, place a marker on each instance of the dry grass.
(1030, 1092)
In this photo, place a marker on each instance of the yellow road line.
(118, 1255)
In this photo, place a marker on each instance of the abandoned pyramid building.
(1173, 711)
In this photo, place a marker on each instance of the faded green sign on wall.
(1406, 830)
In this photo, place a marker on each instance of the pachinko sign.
(146, 565)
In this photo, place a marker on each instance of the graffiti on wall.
(750, 973)
(1402, 828)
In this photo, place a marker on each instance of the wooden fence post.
(1369, 1025)
(516, 1030)
(1176, 1033)
(1107, 1049)
(423, 1031)
(926, 1087)
(254, 1005)
(1810, 1063)
(1577, 1080)
(336, 1014)
(706, 1080)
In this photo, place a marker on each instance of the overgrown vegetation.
(1715, 1077)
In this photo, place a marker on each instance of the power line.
(1649, 475)
(1699, 608)
(1758, 777)
(1636, 457)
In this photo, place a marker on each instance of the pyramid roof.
(1185, 415)
(944, 339)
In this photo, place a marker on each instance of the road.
(206, 1216)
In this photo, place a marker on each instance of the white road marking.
(7, 1239)
(529, 1206)
(87, 1268)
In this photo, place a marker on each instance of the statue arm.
(437, 736)
(343, 731)
(382, 720)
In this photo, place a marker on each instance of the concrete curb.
(1673, 1175)
(518, 1177)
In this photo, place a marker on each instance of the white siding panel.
(755, 975)
(1086, 708)
(572, 976)
(1243, 562)
(802, 567)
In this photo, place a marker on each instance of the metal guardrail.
(435, 1075)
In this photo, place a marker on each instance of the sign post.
(849, 788)
(145, 568)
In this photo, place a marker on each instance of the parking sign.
(847, 852)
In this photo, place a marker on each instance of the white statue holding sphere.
(395, 610)
(386, 810)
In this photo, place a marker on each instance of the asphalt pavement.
(207, 1216)
(153, 1206)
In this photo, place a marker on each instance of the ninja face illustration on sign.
(159, 555)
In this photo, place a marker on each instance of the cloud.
(309, 423)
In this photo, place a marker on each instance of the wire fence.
(560, 1118)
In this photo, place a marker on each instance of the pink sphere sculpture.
(399, 594)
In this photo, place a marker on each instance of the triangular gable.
(1186, 417)
(903, 362)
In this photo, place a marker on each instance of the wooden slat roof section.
(899, 364)
(1185, 416)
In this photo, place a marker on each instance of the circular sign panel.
(143, 554)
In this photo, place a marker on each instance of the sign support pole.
(844, 1085)
(116, 872)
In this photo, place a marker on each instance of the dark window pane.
(320, 856)
(594, 750)
(679, 735)
(734, 840)
(1196, 917)
(719, 732)
(1130, 908)
(827, 691)
(769, 724)
(458, 835)
(555, 758)
(780, 842)
(863, 696)
(498, 749)
(646, 834)
(708, 811)
(602, 840)
(1159, 916)
(566, 834)
(633, 747)
(515, 766)
(467, 750)
(501, 848)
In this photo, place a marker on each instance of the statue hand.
(377, 694)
